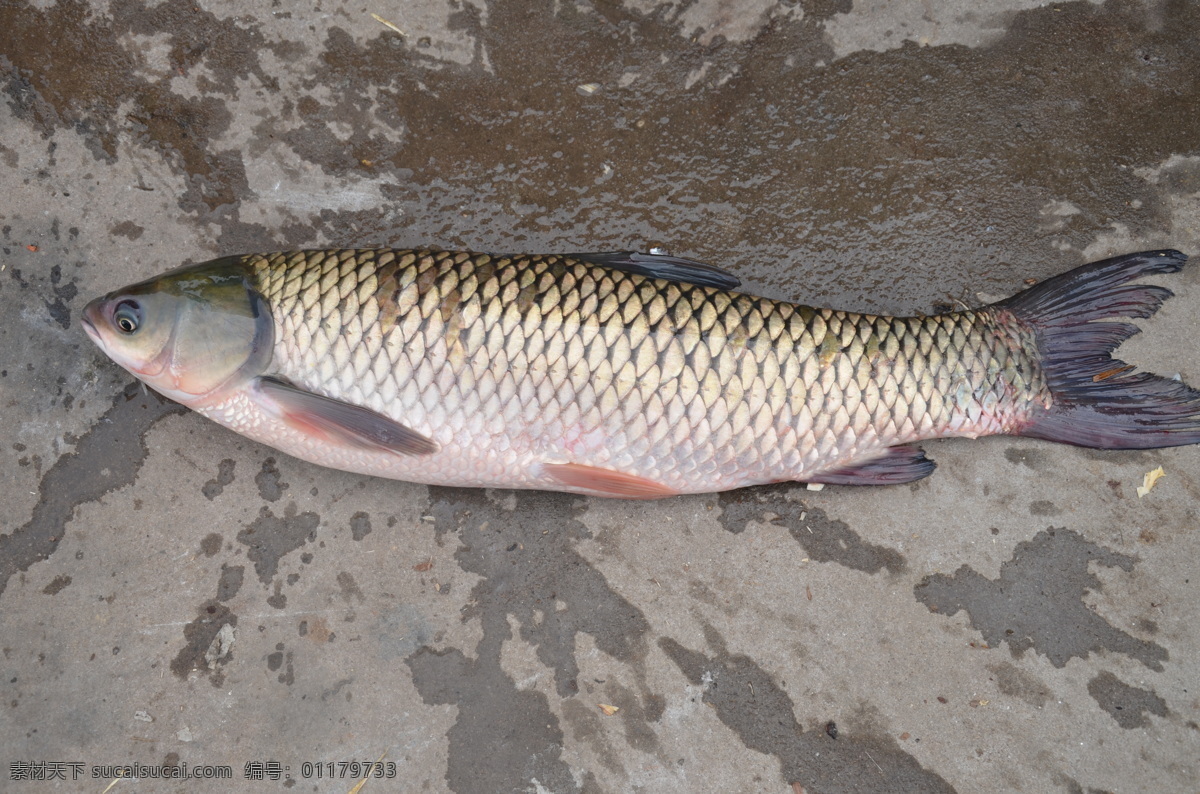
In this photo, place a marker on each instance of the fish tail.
(1097, 400)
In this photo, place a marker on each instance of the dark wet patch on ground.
(1044, 507)
(281, 662)
(1038, 601)
(277, 599)
(270, 486)
(230, 582)
(214, 487)
(749, 701)
(587, 727)
(57, 584)
(337, 688)
(1015, 682)
(58, 307)
(823, 539)
(1029, 456)
(1071, 786)
(504, 738)
(270, 537)
(105, 458)
(207, 647)
(82, 75)
(360, 525)
(211, 544)
(401, 630)
(637, 713)
(1126, 704)
(1119, 457)
(11, 157)
(127, 229)
(349, 588)
(532, 572)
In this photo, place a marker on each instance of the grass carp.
(624, 374)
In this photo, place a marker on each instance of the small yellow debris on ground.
(385, 23)
(1149, 480)
(608, 710)
(358, 787)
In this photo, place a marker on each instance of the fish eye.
(127, 316)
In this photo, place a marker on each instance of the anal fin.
(342, 422)
(606, 482)
(896, 465)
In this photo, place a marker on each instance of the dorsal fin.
(671, 268)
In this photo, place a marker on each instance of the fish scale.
(554, 359)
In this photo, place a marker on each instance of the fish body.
(622, 374)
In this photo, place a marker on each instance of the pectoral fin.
(606, 482)
(896, 465)
(342, 422)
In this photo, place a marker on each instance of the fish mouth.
(89, 320)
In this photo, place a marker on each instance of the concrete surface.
(172, 593)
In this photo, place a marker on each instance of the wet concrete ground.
(172, 593)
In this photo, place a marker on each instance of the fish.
(628, 375)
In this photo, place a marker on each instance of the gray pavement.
(171, 593)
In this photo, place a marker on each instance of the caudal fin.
(1099, 401)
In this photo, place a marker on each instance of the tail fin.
(1097, 400)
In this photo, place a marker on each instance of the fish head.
(192, 334)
